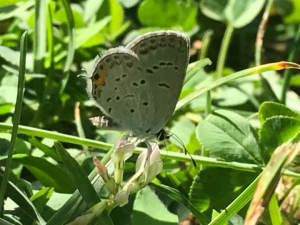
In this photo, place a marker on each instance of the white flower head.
(121, 198)
(152, 167)
(123, 150)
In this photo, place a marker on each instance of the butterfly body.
(138, 86)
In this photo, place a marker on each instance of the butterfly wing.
(164, 55)
(121, 90)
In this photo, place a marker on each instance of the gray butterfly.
(137, 86)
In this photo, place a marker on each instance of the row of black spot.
(155, 67)
(131, 110)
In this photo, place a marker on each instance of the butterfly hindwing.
(164, 55)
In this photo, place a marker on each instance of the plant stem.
(224, 49)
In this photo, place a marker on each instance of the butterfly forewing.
(120, 89)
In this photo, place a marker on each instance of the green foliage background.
(231, 127)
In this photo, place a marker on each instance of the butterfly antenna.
(165, 144)
(185, 150)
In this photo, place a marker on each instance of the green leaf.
(79, 177)
(9, 89)
(294, 16)
(183, 129)
(13, 57)
(277, 130)
(47, 173)
(129, 3)
(225, 94)
(179, 197)
(22, 201)
(214, 9)
(154, 212)
(168, 14)
(216, 188)
(295, 80)
(113, 10)
(61, 16)
(85, 36)
(117, 15)
(229, 136)
(237, 13)
(270, 109)
(44, 148)
(91, 8)
(240, 13)
(41, 198)
(5, 108)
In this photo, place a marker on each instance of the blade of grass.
(236, 205)
(75, 206)
(39, 43)
(282, 156)
(206, 41)
(287, 75)
(275, 215)
(4, 222)
(171, 155)
(22, 201)
(193, 68)
(204, 152)
(48, 82)
(82, 182)
(16, 117)
(71, 44)
(258, 46)
(78, 176)
(243, 73)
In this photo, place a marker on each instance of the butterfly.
(137, 86)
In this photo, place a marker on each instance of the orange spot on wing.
(102, 73)
(100, 81)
